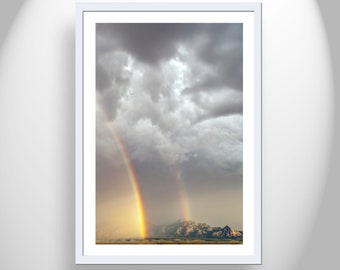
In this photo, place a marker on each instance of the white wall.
(37, 137)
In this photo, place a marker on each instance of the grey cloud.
(213, 53)
(102, 77)
(218, 103)
(137, 39)
(225, 55)
(218, 58)
(112, 80)
(224, 109)
(110, 70)
(217, 45)
(173, 94)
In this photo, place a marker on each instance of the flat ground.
(159, 241)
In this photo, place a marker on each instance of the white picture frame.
(88, 15)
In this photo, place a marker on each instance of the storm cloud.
(173, 93)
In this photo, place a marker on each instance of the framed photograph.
(168, 133)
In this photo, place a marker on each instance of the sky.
(169, 125)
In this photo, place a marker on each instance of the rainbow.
(184, 202)
(183, 198)
(132, 177)
(134, 182)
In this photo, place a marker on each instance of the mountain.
(184, 229)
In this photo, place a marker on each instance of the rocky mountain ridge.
(187, 229)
